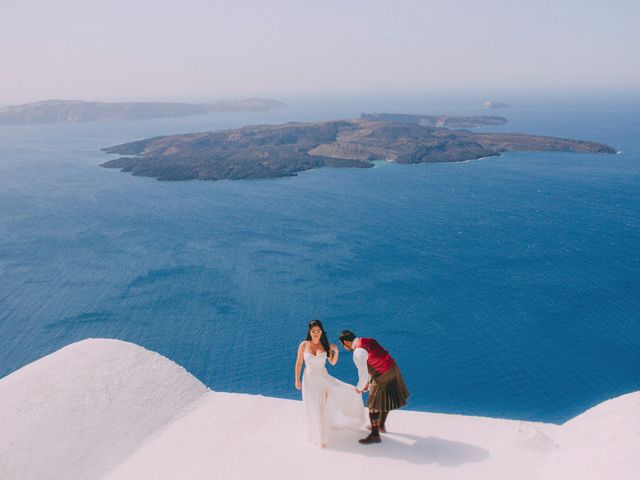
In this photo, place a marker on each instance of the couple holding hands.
(330, 402)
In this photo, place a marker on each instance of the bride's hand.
(298, 384)
(333, 354)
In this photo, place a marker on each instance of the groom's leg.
(383, 421)
(374, 436)
(374, 417)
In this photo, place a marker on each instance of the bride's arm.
(299, 364)
(333, 354)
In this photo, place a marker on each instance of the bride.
(328, 402)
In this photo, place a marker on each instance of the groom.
(378, 373)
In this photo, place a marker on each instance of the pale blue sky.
(196, 49)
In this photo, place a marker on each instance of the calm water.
(504, 287)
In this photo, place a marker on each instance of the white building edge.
(109, 409)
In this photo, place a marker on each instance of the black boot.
(374, 436)
(371, 438)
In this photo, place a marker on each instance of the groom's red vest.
(378, 359)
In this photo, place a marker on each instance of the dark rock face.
(267, 151)
(71, 111)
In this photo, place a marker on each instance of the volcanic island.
(268, 151)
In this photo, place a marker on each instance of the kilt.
(387, 391)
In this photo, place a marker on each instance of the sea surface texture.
(507, 287)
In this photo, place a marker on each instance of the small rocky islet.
(268, 151)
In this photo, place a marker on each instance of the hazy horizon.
(199, 50)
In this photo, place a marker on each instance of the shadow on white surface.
(410, 448)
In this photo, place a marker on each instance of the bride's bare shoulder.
(303, 345)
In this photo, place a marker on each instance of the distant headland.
(72, 111)
(266, 151)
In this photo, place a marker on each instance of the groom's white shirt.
(360, 356)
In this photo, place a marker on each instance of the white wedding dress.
(328, 402)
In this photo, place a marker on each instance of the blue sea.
(505, 287)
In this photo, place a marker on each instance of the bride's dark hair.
(324, 341)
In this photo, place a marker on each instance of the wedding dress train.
(328, 402)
